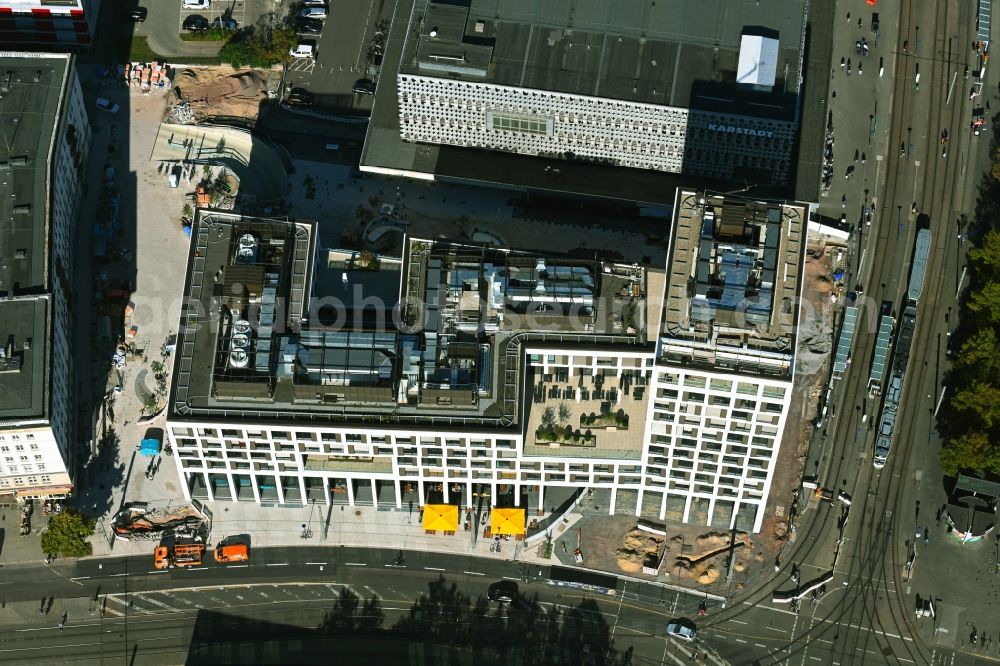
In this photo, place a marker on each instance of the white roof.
(758, 61)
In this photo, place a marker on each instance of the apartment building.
(461, 374)
(41, 171)
(48, 24)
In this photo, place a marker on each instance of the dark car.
(300, 97)
(504, 591)
(364, 87)
(225, 23)
(196, 22)
(138, 14)
(308, 26)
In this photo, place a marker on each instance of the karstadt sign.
(732, 129)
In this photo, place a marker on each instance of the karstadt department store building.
(459, 373)
(693, 88)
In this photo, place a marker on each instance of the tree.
(985, 302)
(985, 259)
(979, 401)
(967, 452)
(564, 413)
(548, 418)
(979, 357)
(67, 534)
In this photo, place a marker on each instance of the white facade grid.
(632, 134)
(714, 442)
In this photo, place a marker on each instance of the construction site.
(139, 521)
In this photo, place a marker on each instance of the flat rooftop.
(644, 51)
(23, 388)
(31, 93)
(275, 329)
(733, 282)
(683, 53)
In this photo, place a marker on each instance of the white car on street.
(196, 4)
(303, 50)
(313, 12)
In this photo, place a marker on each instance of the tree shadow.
(523, 631)
(104, 472)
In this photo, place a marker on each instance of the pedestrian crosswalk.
(178, 601)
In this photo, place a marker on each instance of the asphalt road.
(867, 614)
(113, 605)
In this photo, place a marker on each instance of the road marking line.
(740, 640)
(815, 658)
(474, 573)
(277, 564)
(905, 659)
(738, 621)
(780, 631)
(315, 563)
(197, 568)
(433, 569)
(116, 575)
(236, 566)
(157, 571)
(86, 577)
(356, 564)
(760, 645)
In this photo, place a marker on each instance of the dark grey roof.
(31, 94)
(24, 341)
(657, 52)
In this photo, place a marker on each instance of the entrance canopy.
(507, 521)
(443, 517)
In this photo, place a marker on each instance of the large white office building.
(699, 88)
(465, 375)
(41, 171)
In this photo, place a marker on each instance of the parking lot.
(342, 54)
(234, 9)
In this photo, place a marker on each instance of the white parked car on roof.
(197, 4)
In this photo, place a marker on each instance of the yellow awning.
(443, 517)
(507, 521)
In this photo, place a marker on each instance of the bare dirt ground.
(813, 362)
(201, 92)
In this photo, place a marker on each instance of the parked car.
(138, 14)
(236, 552)
(313, 12)
(303, 50)
(308, 25)
(197, 4)
(504, 591)
(105, 104)
(682, 629)
(225, 23)
(196, 22)
(300, 97)
(364, 87)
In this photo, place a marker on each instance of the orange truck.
(237, 552)
(183, 555)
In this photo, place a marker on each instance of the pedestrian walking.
(862, 158)
(927, 536)
(857, 153)
(860, 71)
(843, 61)
(848, 17)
